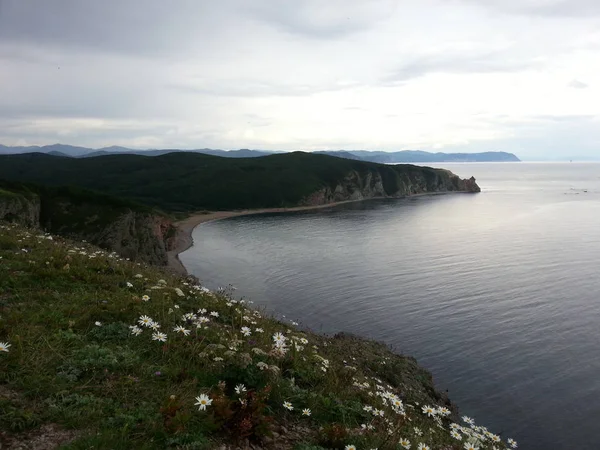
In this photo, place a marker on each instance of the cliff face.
(391, 183)
(19, 208)
(137, 235)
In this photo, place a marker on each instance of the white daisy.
(350, 447)
(240, 388)
(306, 412)
(4, 346)
(214, 314)
(145, 321)
(469, 446)
(182, 330)
(428, 410)
(246, 331)
(279, 339)
(288, 405)
(202, 402)
(404, 443)
(443, 411)
(98, 324)
(145, 298)
(456, 435)
(158, 336)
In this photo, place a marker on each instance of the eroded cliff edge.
(391, 183)
(133, 232)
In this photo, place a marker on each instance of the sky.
(521, 76)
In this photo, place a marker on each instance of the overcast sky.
(445, 75)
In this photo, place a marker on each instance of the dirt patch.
(47, 437)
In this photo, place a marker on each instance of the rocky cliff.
(391, 182)
(19, 208)
(134, 233)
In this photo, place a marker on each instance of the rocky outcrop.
(19, 208)
(391, 182)
(139, 235)
(133, 235)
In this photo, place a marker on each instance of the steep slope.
(189, 182)
(122, 355)
(131, 230)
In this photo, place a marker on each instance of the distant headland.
(403, 156)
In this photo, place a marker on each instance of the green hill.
(190, 181)
(98, 352)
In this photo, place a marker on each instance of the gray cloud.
(318, 19)
(304, 74)
(147, 28)
(576, 84)
(544, 8)
(490, 62)
(256, 88)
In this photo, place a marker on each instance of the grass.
(70, 313)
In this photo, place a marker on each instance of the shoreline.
(184, 240)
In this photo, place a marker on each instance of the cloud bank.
(450, 75)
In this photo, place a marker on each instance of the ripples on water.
(495, 293)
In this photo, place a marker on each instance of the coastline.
(186, 227)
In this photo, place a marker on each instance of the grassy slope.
(121, 391)
(190, 181)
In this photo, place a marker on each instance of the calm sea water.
(497, 293)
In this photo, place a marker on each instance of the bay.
(497, 293)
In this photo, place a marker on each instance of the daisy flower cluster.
(199, 336)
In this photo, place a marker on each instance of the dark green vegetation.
(189, 181)
(73, 365)
(133, 230)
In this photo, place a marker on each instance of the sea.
(496, 293)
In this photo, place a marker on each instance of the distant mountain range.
(404, 156)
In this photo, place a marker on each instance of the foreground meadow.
(99, 352)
